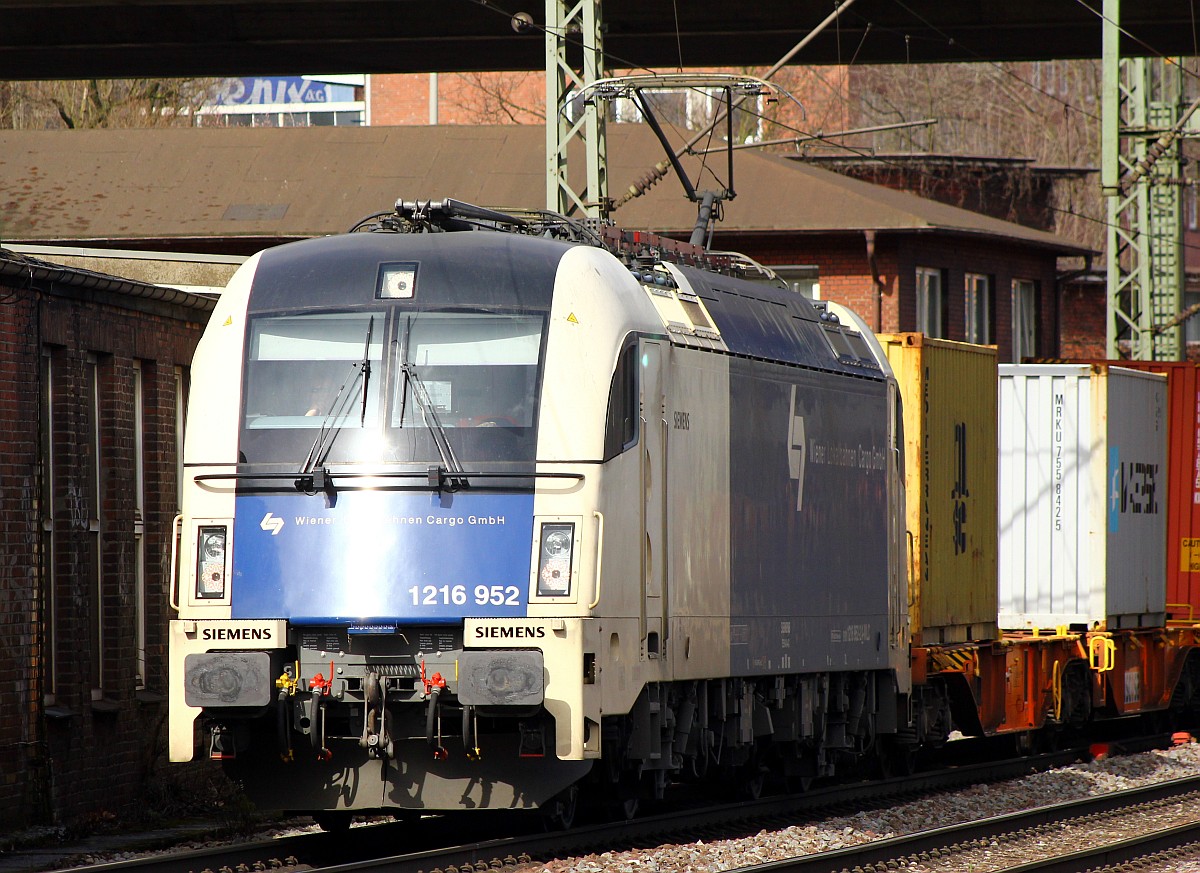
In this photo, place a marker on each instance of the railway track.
(1161, 850)
(430, 844)
(1165, 817)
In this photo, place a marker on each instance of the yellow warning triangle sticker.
(571, 318)
(228, 321)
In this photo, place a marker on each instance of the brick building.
(93, 368)
(93, 374)
(904, 262)
(816, 99)
(456, 98)
(1014, 189)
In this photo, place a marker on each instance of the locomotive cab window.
(306, 371)
(468, 370)
(621, 426)
(384, 386)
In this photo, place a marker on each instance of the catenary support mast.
(574, 26)
(1140, 175)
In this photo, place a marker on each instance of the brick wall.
(22, 752)
(1084, 313)
(89, 726)
(846, 277)
(520, 98)
(462, 98)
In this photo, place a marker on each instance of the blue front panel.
(381, 556)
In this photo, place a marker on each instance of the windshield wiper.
(429, 416)
(313, 475)
(436, 430)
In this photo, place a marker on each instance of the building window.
(1189, 200)
(930, 301)
(48, 546)
(1024, 319)
(1191, 325)
(91, 443)
(802, 278)
(978, 308)
(139, 521)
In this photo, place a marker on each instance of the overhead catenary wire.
(1099, 13)
(659, 171)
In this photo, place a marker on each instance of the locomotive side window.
(860, 349)
(621, 427)
(303, 371)
(850, 347)
(837, 341)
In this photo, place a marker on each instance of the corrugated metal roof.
(299, 182)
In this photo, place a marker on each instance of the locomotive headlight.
(554, 560)
(210, 563)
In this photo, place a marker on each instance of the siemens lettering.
(236, 633)
(510, 633)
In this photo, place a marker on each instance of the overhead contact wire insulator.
(644, 184)
(1156, 150)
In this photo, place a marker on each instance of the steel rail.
(955, 836)
(505, 840)
(1134, 849)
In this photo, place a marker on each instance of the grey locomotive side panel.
(697, 421)
(808, 520)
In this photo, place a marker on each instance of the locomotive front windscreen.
(304, 369)
(384, 385)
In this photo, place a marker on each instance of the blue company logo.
(272, 523)
(1114, 498)
(1133, 488)
(797, 445)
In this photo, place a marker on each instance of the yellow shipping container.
(950, 463)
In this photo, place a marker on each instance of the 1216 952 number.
(456, 595)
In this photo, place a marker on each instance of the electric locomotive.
(483, 509)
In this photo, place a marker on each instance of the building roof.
(939, 160)
(259, 184)
(18, 270)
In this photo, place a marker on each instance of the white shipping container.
(1083, 491)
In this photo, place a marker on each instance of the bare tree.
(495, 98)
(1048, 112)
(48, 105)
